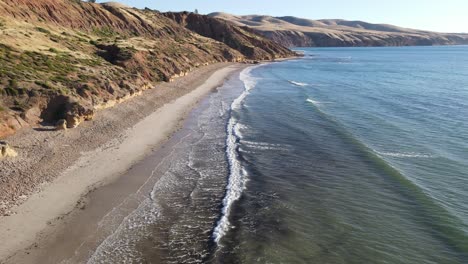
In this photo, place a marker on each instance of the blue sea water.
(351, 155)
(346, 155)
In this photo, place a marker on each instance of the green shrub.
(54, 38)
(82, 34)
(60, 78)
(18, 106)
(104, 32)
(11, 91)
(83, 78)
(80, 39)
(42, 30)
(43, 84)
(12, 83)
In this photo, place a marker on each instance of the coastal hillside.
(293, 31)
(243, 39)
(61, 60)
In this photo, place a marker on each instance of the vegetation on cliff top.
(63, 58)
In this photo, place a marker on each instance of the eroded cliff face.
(65, 59)
(289, 38)
(243, 39)
(316, 39)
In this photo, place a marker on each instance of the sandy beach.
(57, 172)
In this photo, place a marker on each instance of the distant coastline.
(299, 32)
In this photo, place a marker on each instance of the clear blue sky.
(435, 15)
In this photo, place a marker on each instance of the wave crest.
(313, 101)
(404, 154)
(298, 83)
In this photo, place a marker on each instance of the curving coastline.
(35, 223)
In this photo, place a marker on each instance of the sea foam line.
(313, 101)
(298, 83)
(404, 155)
(317, 103)
(237, 174)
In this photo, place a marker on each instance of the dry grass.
(330, 26)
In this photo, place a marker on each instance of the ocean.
(347, 155)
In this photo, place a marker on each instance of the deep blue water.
(351, 155)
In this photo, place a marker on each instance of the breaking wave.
(237, 173)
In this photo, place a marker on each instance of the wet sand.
(63, 216)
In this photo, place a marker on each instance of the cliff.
(242, 38)
(65, 59)
(292, 31)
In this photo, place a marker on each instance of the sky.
(434, 15)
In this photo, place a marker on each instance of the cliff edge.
(61, 60)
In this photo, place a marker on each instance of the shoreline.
(35, 221)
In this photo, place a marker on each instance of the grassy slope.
(64, 59)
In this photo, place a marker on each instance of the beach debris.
(6, 151)
(61, 125)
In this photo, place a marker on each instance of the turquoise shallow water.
(352, 155)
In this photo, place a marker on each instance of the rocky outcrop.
(6, 151)
(64, 59)
(77, 114)
(61, 125)
(292, 31)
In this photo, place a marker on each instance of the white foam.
(267, 148)
(298, 83)
(238, 128)
(404, 155)
(237, 174)
(264, 145)
(316, 103)
(249, 83)
(255, 143)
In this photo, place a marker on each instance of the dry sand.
(94, 155)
